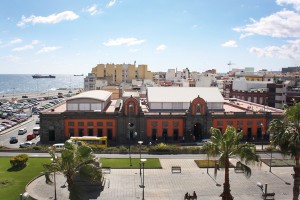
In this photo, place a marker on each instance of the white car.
(26, 144)
(22, 131)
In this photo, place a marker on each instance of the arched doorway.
(197, 132)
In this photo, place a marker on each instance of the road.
(13, 131)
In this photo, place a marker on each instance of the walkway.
(161, 184)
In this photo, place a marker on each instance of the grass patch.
(279, 162)
(12, 183)
(124, 163)
(208, 163)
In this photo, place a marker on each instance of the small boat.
(78, 74)
(42, 76)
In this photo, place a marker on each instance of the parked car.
(30, 136)
(13, 140)
(26, 144)
(22, 131)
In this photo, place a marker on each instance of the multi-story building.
(166, 114)
(118, 73)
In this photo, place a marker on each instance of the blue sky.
(71, 37)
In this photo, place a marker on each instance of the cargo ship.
(78, 74)
(42, 76)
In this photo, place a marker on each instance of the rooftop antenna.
(229, 65)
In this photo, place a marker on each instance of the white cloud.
(34, 42)
(133, 50)
(48, 49)
(111, 3)
(161, 47)
(93, 10)
(281, 24)
(123, 41)
(23, 48)
(15, 41)
(295, 3)
(11, 58)
(290, 50)
(230, 43)
(51, 19)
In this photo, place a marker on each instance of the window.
(90, 123)
(99, 132)
(153, 137)
(175, 134)
(165, 123)
(51, 135)
(108, 123)
(80, 132)
(249, 122)
(219, 123)
(70, 123)
(154, 123)
(229, 123)
(80, 124)
(175, 123)
(240, 122)
(99, 124)
(109, 134)
(72, 106)
(165, 134)
(90, 132)
(71, 132)
(84, 106)
(95, 106)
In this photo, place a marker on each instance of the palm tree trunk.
(226, 195)
(296, 179)
(69, 180)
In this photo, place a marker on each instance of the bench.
(238, 168)
(269, 196)
(106, 170)
(176, 169)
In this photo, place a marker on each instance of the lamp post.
(143, 180)
(130, 128)
(262, 136)
(140, 145)
(54, 161)
(271, 148)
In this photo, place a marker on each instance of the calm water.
(22, 83)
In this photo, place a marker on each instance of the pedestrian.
(186, 196)
(194, 195)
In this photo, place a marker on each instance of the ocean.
(24, 83)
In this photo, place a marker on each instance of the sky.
(72, 37)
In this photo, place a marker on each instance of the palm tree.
(75, 160)
(287, 138)
(227, 145)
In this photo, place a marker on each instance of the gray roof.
(183, 94)
(93, 94)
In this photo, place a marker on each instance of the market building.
(166, 114)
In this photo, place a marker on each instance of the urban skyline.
(61, 37)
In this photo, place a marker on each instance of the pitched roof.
(183, 94)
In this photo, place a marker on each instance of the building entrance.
(197, 133)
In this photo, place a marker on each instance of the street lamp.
(140, 145)
(130, 128)
(143, 180)
(262, 136)
(54, 161)
(271, 148)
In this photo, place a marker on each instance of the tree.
(227, 145)
(75, 160)
(286, 136)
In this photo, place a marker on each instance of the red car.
(30, 136)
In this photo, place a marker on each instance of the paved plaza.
(161, 184)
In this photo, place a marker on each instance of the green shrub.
(19, 161)
(38, 148)
(123, 149)
(163, 148)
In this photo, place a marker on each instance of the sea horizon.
(23, 83)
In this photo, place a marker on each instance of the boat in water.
(78, 74)
(42, 76)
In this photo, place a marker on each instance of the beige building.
(118, 73)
